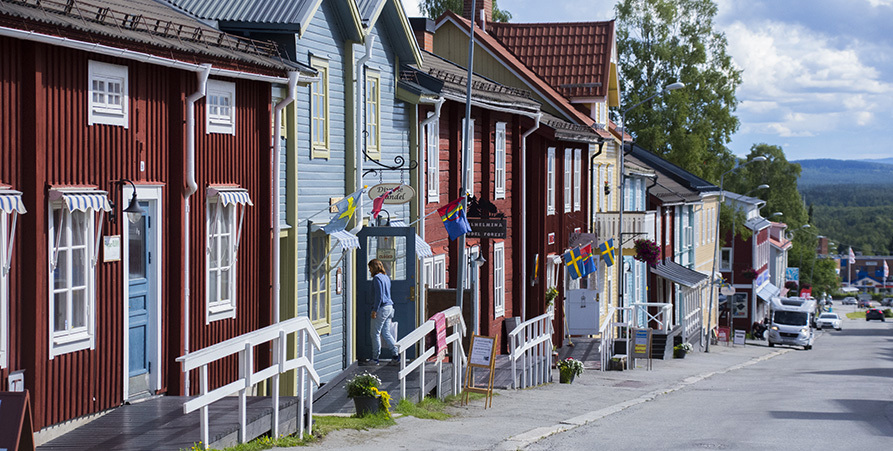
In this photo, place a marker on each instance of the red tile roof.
(544, 88)
(568, 56)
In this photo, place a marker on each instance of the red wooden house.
(101, 302)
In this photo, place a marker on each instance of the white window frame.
(319, 109)
(499, 279)
(373, 114)
(578, 178)
(439, 271)
(220, 107)
(600, 188)
(722, 260)
(432, 145)
(217, 215)
(499, 161)
(99, 110)
(553, 264)
(550, 181)
(71, 339)
(568, 179)
(469, 175)
(319, 282)
(609, 201)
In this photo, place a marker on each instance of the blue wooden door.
(395, 247)
(140, 302)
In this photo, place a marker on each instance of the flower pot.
(366, 405)
(679, 353)
(566, 377)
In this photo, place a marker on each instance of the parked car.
(849, 300)
(887, 302)
(828, 319)
(864, 303)
(874, 313)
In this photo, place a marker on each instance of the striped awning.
(346, 239)
(11, 201)
(86, 200)
(422, 249)
(231, 195)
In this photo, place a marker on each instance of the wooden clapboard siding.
(320, 179)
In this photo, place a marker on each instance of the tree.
(434, 8)
(664, 41)
(780, 175)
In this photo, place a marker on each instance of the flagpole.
(466, 153)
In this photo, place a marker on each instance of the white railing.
(531, 344)
(417, 337)
(663, 317)
(243, 346)
(608, 334)
(691, 322)
(640, 223)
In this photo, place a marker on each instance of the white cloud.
(798, 82)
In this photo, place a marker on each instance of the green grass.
(428, 409)
(856, 315)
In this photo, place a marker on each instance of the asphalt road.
(839, 395)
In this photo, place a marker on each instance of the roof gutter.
(132, 55)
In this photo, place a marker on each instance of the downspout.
(358, 149)
(536, 125)
(277, 229)
(190, 189)
(594, 191)
(423, 191)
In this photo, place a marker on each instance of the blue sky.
(817, 74)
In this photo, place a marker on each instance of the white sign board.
(111, 248)
(739, 337)
(401, 195)
(582, 312)
(481, 351)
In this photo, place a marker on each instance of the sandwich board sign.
(481, 354)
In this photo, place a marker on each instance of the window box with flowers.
(749, 274)
(647, 251)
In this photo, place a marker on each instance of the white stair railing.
(662, 317)
(531, 343)
(244, 346)
(417, 337)
(608, 332)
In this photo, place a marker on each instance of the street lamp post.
(619, 244)
(716, 248)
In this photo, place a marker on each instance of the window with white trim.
(72, 279)
(320, 293)
(432, 142)
(550, 181)
(469, 174)
(553, 264)
(435, 271)
(725, 259)
(600, 188)
(499, 279)
(578, 177)
(319, 109)
(373, 114)
(107, 94)
(499, 181)
(568, 178)
(220, 102)
(220, 280)
(610, 180)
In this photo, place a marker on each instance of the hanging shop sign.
(486, 228)
(401, 195)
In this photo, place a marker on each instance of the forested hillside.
(854, 215)
(844, 172)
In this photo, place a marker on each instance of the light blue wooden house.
(336, 132)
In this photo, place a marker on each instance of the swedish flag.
(607, 251)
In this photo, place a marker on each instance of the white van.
(791, 322)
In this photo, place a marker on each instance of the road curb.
(525, 439)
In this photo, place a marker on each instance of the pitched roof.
(149, 26)
(678, 174)
(533, 80)
(452, 80)
(261, 11)
(574, 57)
(667, 189)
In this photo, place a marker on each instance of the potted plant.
(568, 369)
(681, 349)
(366, 395)
(551, 294)
(647, 251)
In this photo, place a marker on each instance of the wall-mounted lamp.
(133, 210)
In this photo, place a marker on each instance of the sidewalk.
(521, 417)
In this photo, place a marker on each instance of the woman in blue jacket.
(382, 309)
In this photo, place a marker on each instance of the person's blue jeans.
(381, 326)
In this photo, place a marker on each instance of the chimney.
(479, 5)
(423, 28)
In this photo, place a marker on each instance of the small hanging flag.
(454, 220)
(378, 202)
(607, 251)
